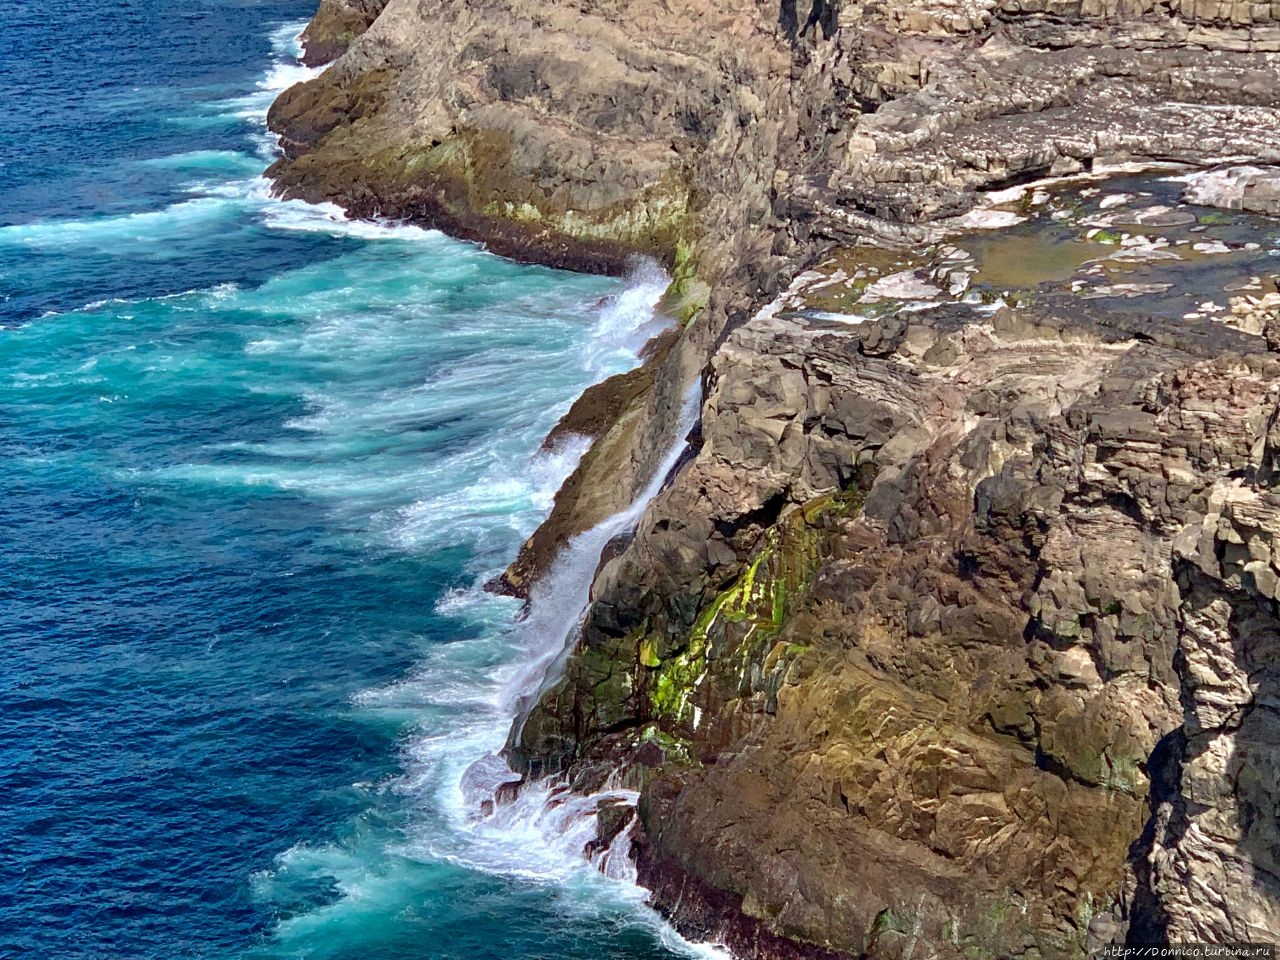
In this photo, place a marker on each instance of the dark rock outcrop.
(335, 26)
(911, 633)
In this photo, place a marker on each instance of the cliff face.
(938, 640)
(576, 134)
(956, 632)
(720, 136)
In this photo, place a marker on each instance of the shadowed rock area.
(336, 24)
(954, 634)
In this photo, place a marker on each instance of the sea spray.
(544, 809)
(540, 829)
(559, 600)
(251, 487)
(463, 695)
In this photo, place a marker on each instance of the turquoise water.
(256, 461)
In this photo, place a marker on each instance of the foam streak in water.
(544, 831)
(286, 70)
(464, 696)
(246, 489)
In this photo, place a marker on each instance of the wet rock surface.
(613, 415)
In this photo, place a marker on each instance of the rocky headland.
(955, 631)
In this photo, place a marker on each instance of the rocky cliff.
(939, 639)
(955, 633)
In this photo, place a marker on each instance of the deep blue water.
(255, 461)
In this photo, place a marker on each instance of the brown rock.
(335, 26)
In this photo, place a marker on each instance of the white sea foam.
(150, 229)
(628, 320)
(463, 695)
(496, 493)
(219, 162)
(331, 219)
(349, 447)
(543, 833)
(215, 200)
(212, 204)
(285, 71)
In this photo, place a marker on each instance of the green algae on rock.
(953, 692)
(744, 620)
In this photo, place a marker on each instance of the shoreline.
(826, 461)
(595, 415)
(501, 237)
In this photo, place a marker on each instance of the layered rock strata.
(579, 135)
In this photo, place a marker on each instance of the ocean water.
(255, 462)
